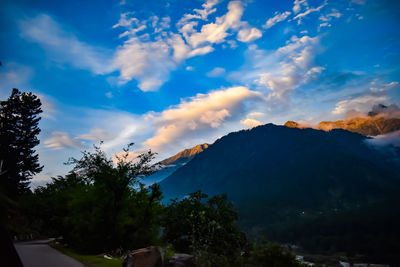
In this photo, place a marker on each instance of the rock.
(182, 260)
(144, 257)
(292, 124)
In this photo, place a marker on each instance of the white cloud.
(361, 104)
(275, 19)
(377, 87)
(200, 51)
(208, 8)
(288, 67)
(148, 62)
(297, 5)
(61, 140)
(199, 113)
(249, 34)
(150, 51)
(216, 72)
(392, 138)
(65, 47)
(250, 123)
(308, 11)
(325, 24)
(329, 16)
(218, 31)
(150, 59)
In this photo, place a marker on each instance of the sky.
(168, 75)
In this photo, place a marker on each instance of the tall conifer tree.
(19, 118)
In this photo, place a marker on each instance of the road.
(40, 254)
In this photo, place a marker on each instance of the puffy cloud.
(294, 66)
(64, 47)
(384, 140)
(150, 59)
(249, 34)
(360, 104)
(148, 62)
(61, 140)
(297, 5)
(250, 123)
(199, 113)
(216, 72)
(218, 31)
(275, 19)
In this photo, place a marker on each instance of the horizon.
(171, 75)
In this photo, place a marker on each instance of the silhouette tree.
(19, 118)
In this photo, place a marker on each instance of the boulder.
(144, 257)
(182, 260)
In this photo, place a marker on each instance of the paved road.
(39, 254)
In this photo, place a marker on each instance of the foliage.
(18, 136)
(101, 205)
(207, 229)
(270, 254)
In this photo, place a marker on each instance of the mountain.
(185, 155)
(380, 120)
(368, 126)
(282, 180)
(171, 164)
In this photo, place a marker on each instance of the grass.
(88, 260)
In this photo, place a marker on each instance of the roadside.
(40, 254)
(88, 260)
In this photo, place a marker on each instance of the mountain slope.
(186, 154)
(171, 164)
(280, 178)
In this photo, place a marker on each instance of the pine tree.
(19, 118)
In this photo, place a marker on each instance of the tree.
(101, 204)
(19, 118)
(270, 254)
(207, 229)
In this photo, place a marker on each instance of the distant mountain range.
(377, 122)
(282, 180)
(171, 164)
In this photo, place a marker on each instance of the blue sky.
(168, 75)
